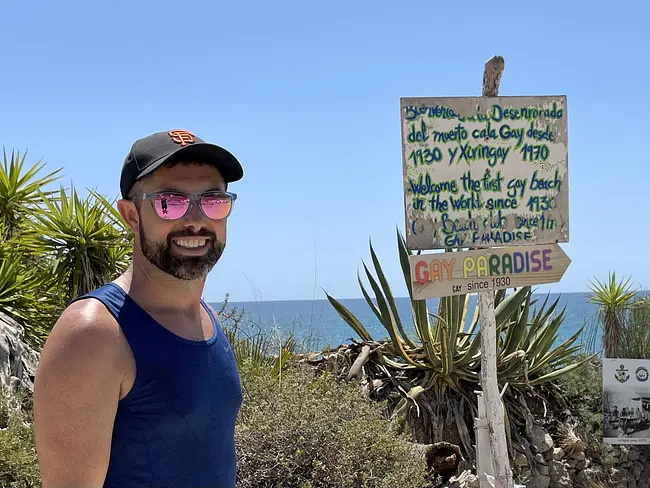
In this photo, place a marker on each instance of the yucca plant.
(611, 297)
(20, 190)
(85, 239)
(26, 293)
(443, 357)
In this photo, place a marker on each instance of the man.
(137, 385)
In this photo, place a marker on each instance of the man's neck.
(156, 290)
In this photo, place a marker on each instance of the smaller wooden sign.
(457, 273)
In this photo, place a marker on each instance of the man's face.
(187, 248)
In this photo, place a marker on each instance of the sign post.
(489, 174)
(489, 383)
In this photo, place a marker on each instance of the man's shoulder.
(87, 314)
(85, 328)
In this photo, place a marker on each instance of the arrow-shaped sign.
(457, 273)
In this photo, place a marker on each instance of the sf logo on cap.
(181, 137)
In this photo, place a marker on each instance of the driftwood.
(355, 370)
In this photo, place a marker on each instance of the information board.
(485, 172)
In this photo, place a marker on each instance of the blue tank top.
(175, 428)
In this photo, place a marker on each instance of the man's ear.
(129, 213)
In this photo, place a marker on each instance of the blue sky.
(306, 94)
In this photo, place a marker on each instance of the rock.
(580, 460)
(558, 454)
(580, 479)
(540, 481)
(633, 455)
(559, 475)
(18, 361)
(472, 481)
(520, 460)
(541, 441)
(617, 475)
(548, 456)
(623, 454)
(587, 478)
(539, 459)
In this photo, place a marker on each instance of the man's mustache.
(188, 233)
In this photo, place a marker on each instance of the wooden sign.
(485, 171)
(456, 273)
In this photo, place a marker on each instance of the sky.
(306, 95)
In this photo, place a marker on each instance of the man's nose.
(194, 217)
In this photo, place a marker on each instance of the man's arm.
(76, 391)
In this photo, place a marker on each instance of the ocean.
(316, 324)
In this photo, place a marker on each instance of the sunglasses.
(174, 205)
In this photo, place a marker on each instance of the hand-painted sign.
(485, 172)
(456, 273)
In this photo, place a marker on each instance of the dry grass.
(570, 442)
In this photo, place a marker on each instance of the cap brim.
(227, 164)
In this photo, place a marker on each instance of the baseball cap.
(151, 152)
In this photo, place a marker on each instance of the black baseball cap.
(151, 152)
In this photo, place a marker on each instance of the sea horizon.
(316, 322)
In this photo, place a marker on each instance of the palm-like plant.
(611, 297)
(19, 190)
(85, 239)
(24, 287)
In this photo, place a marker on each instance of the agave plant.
(85, 239)
(444, 352)
(20, 190)
(611, 297)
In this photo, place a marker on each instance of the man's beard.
(160, 254)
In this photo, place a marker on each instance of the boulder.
(18, 361)
(541, 441)
(559, 475)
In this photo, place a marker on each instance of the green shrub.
(18, 464)
(635, 333)
(583, 391)
(301, 431)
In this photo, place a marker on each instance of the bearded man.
(137, 386)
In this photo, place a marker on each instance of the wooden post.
(489, 384)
